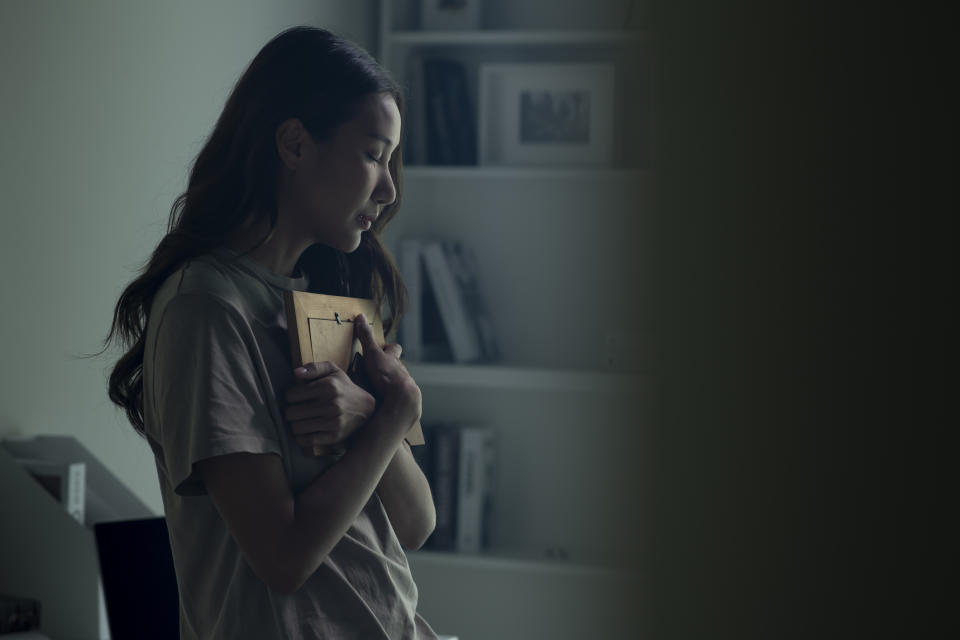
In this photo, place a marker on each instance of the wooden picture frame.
(321, 328)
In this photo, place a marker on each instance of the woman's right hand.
(389, 378)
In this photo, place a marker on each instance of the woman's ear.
(291, 136)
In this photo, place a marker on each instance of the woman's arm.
(405, 494)
(285, 538)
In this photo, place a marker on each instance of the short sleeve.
(209, 397)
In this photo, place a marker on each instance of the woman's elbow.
(416, 539)
(285, 572)
(277, 577)
(287, 582)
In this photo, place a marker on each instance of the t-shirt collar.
(296, 283)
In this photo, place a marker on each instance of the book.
(491, 449)
(440, 144)
(463, 261)
(458, 324)
(443, 484)
(473, 500)
(415, 151)
(459, 115)
(436, 344)
(66, 482)
(459, 463)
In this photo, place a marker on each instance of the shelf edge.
(505, 563)
(525, 37)
(505, 377)
(525, 173)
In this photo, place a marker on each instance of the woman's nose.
(386, 191)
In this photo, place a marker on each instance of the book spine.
(489, 486)
(75, 490)
(436, 343)
(439, 142)
(417, 138)
(411, 270)
(458, 109)
(66, 483)
(470, 489)
(464, 342)
(464, 266)
(446, 462)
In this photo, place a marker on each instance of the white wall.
(105, 105)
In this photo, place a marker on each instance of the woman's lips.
(365, 221)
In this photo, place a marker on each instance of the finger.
(319, 389)
(304, 428)
(393, 349)
(313, 370)
(316, 439)
(365, 333)
(308, 412)
(325, 450)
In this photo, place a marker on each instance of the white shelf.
(505, 377)
(518, 37)
(523, 173)
(506, 561)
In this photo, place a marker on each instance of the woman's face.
(345, 182)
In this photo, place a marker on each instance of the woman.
(290, 191)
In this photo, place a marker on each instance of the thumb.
(313, 370)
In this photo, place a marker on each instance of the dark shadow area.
(797, 479)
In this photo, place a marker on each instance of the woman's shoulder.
(206, 274)
(201, 281)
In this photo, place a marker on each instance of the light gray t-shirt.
(216, 367)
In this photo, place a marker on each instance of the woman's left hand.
(326, 406)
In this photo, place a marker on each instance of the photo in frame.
(543, 114)
(452, 15)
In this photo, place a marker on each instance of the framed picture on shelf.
(443, 15)
(546, 114)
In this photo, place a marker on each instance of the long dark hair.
(304, 72)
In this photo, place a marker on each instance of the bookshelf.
(535, 31)
(554, 247)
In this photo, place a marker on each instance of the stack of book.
(444, 129)
(460, 463)
(18, 616)
(447, 318)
